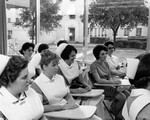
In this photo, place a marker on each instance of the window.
(138, 31)
(59, 1)
(9, 34)
(103, 30)
(126, 32)
(98, 31)
(17, 20)
(95, 32)
(72, 16)
(9, 20)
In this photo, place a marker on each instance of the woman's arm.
(50, 108)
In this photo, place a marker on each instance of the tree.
(48, 14)
(115, 17)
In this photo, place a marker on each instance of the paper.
(132, 65)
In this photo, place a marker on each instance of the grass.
(121, 53)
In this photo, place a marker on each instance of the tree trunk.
(114, 36)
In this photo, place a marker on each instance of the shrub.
(138, 38)
(131, 44)
(98, 39)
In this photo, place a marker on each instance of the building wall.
(67, 8)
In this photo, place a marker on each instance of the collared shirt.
(70, 72)
(113, 62)
(27, 107)
(144, 114)
(55, 90)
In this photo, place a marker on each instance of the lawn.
(121, 53)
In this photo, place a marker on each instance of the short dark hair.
(26, 46)
(12, 70)
(109, 43)
(42, 47)
(97, 49)
(47, 57)
(142, 76)
(61, 41)
(67, 51)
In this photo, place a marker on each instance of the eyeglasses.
(103, 54)
(111, 48)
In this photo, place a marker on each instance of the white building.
(71, 26)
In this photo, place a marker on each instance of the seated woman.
(17, 100)
(70, 69)
(101, 74)
(137, 105)
(113, 61)
(27, 50)
(34, 67)
(51, 86)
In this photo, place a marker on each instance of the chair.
(95, 86)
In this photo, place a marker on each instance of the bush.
(131, 44)
(98, 39)
(138, 38)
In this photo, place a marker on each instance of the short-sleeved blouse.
(55, 90)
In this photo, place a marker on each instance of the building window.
(91, 33)
(59, 1)
(9, 20)
(126, 32)
(72, 16)
(98, 31)
(9, 34)
(138, 31)
(95, 32)
(103, 30)
(17, 20)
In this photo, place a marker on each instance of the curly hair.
(12, 70)
(47, 57)
(142, 76)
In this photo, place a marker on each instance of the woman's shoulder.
(144, 113)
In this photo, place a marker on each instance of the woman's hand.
(83, 90)
(117, 81)
(70, 106)
(88, 88)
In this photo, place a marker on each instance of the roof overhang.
(18, 3)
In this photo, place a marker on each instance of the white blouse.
(27, 107)
(55, 90)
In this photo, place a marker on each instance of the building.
(71, 26)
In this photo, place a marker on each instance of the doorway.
(72, 34)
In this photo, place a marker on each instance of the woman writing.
(17, 100)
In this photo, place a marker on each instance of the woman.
(49, 80)
(17, 100)
(27, 50)
(70, 69)
(34, 67)
(113, 61)
(100, 71)
(137, 105)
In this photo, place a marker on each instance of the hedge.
(99, 39)
(131, 44)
